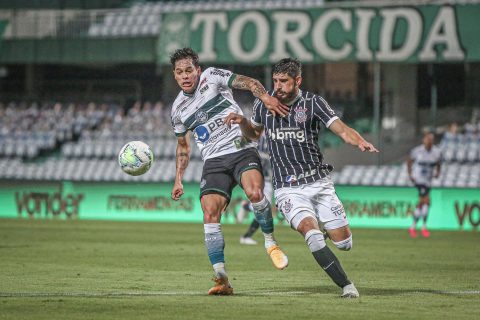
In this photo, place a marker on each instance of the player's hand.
(233, 118)
(177, 191)
(367, 146)
(274, 105)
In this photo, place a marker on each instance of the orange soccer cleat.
(279, 259)
(221, 288)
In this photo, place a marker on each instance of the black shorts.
(423, 190)
(221, 174)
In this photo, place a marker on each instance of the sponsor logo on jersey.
(201, 134)
(300, 114)
(217, 72)
(294, 178)
(202, 90)
(201, 116)
(287, 133)
(291, 178)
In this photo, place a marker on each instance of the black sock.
(251, 230)
(329, 262)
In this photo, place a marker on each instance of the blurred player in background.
(229, 159)
(304, 191)
(246, 205)
(423, 164)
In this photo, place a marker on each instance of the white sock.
(219, 269)
(269, 240)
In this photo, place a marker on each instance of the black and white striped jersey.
(293, 140)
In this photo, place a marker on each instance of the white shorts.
(317, 200)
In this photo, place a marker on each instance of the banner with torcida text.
(412, 34)
(369, 207)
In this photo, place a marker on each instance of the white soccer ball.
(135, 158)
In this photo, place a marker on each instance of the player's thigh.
(245, 161)
(248, 174)
(215, 193)
(295, 205)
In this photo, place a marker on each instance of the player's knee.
(211, 212)
(344, 245)
(254, 194)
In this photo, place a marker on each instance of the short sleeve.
(323, 110)
(221, 77)
(256, 115)
(178, 127)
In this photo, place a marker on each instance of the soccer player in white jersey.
(304, 191)
(423, 164)
(229, 159)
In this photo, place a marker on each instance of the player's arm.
(409, 168)
(182, 160)
(256, 88)
(351, 136)
(249, 130)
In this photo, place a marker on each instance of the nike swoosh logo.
(203, 136)
(328, 265)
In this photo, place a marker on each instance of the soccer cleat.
(247, 241)
(413, 232)
(425, 233)
(279, 259)
(349, 291)
(221, 288)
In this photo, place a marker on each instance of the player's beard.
(287, 98)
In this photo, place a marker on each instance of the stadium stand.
(460, 168)
(81, 142)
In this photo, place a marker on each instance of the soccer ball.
(135, 158)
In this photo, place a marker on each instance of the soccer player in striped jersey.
(229, 159)
(423, 164)
(304, 192)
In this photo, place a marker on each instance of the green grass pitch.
(119, 270)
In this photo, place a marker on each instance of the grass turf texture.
(118, 270)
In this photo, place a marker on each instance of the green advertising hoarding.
(370, 207)
(426, 33)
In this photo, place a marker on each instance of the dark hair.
(184, 53)
(290, 66)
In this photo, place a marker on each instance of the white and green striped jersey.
(203, 112)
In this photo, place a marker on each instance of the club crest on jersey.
(300, 114)
(201, 116)
(286, 207)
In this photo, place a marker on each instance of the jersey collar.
(299, 95)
